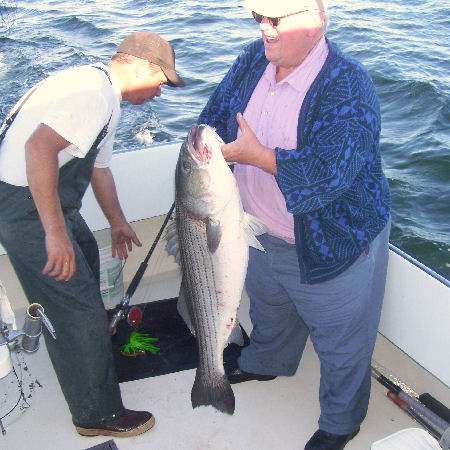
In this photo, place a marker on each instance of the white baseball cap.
(281, 8)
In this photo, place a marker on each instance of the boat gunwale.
(419, 263)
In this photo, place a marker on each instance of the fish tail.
(217, 393)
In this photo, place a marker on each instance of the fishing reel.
(29, 334)
(123, 310)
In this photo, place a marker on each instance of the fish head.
(203, 180)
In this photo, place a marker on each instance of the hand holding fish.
(247, 149)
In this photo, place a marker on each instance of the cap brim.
(249, 4)
(174, 80)
(270, 8)
(265, 8)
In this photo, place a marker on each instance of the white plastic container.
(111, 278)
(408, 439)
(5, 360)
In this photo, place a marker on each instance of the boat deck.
(279, 414)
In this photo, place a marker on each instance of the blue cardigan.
(333, 181)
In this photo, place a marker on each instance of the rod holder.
(32, 328)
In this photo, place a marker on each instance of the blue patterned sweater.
(333, 181)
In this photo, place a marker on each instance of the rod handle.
(435, 405)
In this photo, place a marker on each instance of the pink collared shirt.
(272, 113)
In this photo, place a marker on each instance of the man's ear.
(141, 69)
(316, 23)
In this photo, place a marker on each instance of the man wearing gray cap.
(56, 140)
(301, 121)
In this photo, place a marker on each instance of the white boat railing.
(416, 312)
(422, 265)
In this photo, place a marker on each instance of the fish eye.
(186, 166)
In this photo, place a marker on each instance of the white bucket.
(5, 360)
(111, 278)
(410, 438)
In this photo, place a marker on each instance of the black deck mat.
(178, 348)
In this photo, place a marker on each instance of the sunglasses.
(274, 21)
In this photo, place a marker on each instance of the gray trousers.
(340, 315)
(81, 355)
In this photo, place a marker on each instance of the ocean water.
(404, 44)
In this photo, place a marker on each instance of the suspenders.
(13, 113)
(105, 72)
(15, 110)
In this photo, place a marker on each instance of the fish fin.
(183, 309)
(213, 234)
(218, 394)
(236, 336)
(254, 227)
(172, 245)
(253, 242)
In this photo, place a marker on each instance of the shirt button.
(272, 93)
(265, 113)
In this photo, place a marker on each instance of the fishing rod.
(434, 405)
(412, 413)
(412, 402)
(122, 307)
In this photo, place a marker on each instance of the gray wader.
(81, 355)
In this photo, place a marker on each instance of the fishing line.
(25, 405)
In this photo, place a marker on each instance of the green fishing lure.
(138, 344)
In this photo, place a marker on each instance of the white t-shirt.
(76, 103)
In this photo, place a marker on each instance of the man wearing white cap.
(301, 121)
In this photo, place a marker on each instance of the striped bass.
(213, 234)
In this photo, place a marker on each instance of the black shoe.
(129, 423)
(321, 440)
(239, 376)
